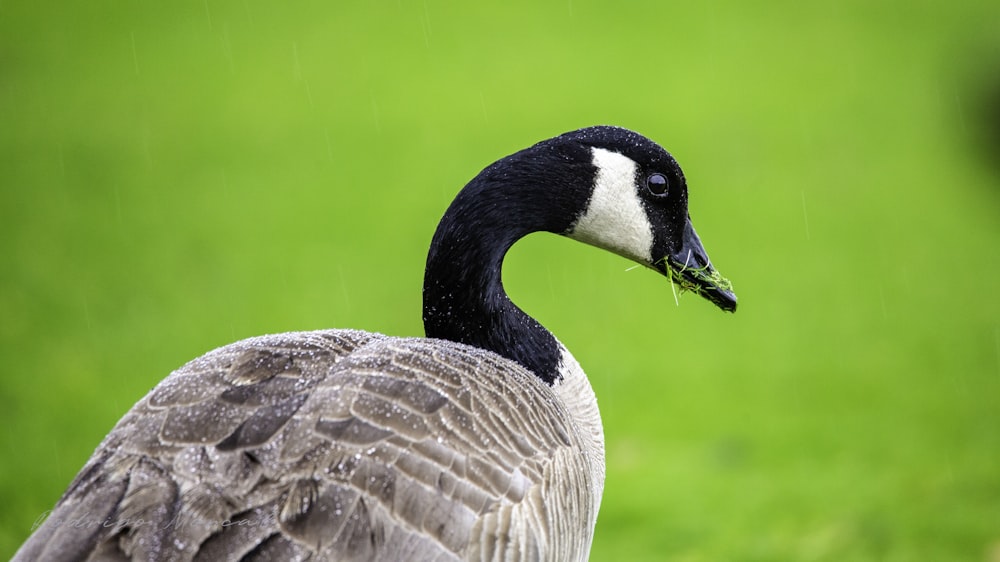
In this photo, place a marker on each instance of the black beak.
(690, 268)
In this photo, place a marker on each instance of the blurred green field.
(177, 176)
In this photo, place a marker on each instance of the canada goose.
(481, 441)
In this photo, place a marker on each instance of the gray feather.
(331, 445)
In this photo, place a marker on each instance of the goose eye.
(657, 184)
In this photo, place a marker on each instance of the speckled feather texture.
(335, 445)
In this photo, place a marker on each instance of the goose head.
(606, 186)
(638, 208)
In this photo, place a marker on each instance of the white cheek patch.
(615, 219)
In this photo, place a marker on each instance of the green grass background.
(175, 176)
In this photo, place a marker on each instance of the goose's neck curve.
(464, 297)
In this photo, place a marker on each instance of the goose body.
(481, 441)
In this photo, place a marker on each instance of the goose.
(480, 441)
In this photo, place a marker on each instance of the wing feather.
(335, 445)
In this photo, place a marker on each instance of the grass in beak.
(695, 279)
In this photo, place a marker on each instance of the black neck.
(464, 298)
